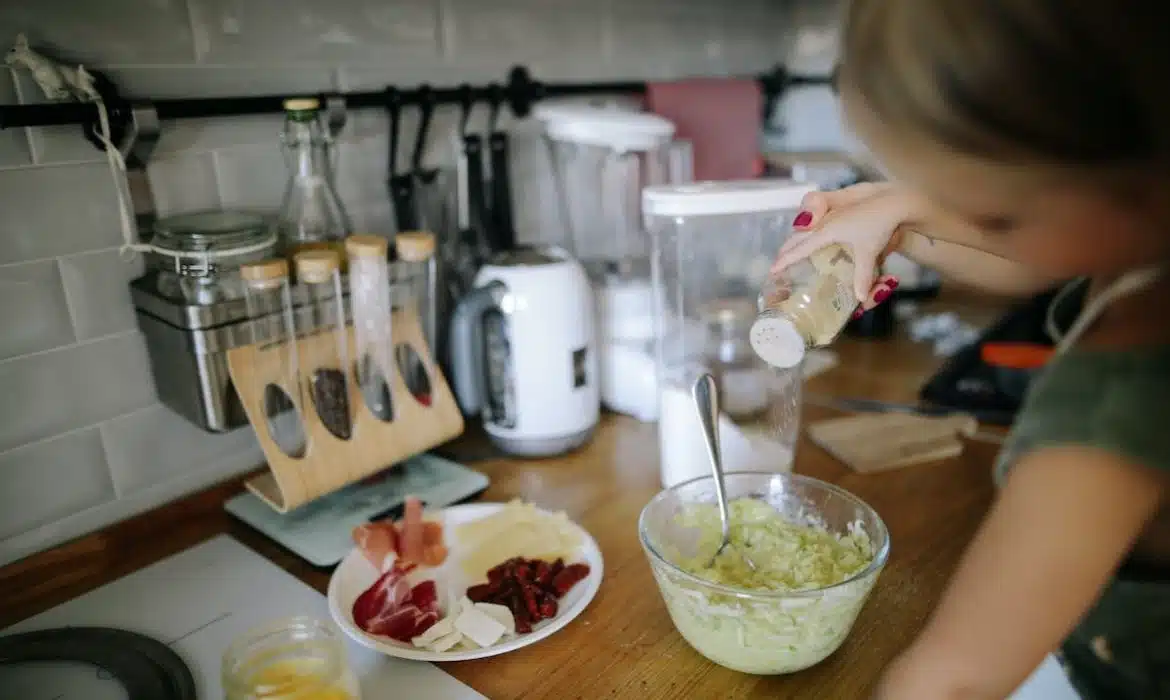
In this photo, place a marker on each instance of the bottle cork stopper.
(366, 246)
(301, 104)
(265, 274)
(415, 246)
(316, 266)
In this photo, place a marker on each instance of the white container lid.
(732, 197)
(617, 129)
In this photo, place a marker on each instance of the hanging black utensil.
(478, 234)
(503, 227)
(465, 251)
(430, 197)
(401, 185)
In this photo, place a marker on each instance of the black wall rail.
(518, 93)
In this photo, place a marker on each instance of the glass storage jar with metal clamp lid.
(712, 246)
(197, 256)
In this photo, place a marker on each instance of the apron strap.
(1129, 283)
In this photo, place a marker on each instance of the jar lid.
(265, 274)
(414, 246)
(316, 266)
(732, 197)
(366, 246)
(617, 129)
(777, 342)
(218, 231)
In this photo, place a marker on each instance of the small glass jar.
(300, 658)
(804, 306)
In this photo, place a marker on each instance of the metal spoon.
(706, 396)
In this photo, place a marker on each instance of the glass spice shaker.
(295, 659)
(268, 300)
(743, 381)
(369, 297)
(804, 306)
(326, 355)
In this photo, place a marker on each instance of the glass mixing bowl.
(760, 632)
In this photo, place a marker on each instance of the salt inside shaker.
(804, 306)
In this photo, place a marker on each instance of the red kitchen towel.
(721, 117)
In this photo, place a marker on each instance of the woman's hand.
(864, 218)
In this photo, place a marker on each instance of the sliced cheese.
(499, 613)
(441, 628)
(446, 643)
(517, 530)
(479, 627)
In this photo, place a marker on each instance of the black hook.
(465, 102)
(495, 95)
(774, 83)
(394, 107)
(426, 106)
(523, 91)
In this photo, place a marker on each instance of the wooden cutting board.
(880, 442)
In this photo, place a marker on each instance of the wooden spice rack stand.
(329, 463)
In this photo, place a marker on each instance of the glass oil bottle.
(311, 215)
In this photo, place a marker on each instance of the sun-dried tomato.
(480, 593)
(529, 588)
(569, 577)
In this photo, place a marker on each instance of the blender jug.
(602, 157)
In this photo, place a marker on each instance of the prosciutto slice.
(413, 540)
(393, 608)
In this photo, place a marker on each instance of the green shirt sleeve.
(1115, 401)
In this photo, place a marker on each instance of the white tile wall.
(83, 440)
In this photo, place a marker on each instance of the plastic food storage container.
(760, 631)
(712, 246)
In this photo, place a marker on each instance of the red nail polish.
(804, 218)
(892, 283)
(881, 295)
(858, 313)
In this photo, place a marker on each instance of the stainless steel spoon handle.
(706, 396)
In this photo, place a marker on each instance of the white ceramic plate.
(354, 575)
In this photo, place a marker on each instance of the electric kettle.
(523, 352)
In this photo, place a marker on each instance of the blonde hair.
(1074, 83)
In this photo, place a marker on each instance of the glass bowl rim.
(879, 558)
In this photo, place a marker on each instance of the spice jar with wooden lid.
(416, 256)
(369, 298)
(268, 300)
(326, 360)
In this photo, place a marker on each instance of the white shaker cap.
(777, 342)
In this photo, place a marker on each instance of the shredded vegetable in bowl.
(812, 575)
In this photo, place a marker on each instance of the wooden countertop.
(624, 645)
